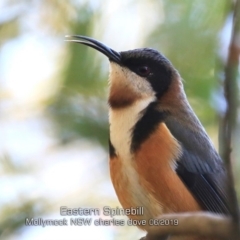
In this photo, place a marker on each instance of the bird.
(161, 157)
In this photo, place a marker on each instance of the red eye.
(144, 71)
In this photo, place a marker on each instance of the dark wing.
(200, 167)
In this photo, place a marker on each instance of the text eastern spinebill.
(107, 211)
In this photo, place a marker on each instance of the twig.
(202, 224)
(231, 95)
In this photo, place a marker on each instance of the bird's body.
(161, 158)
(147, 174)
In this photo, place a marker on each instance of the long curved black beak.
(111, 54)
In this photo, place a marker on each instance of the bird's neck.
(175, 102)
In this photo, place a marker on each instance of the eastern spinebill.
(161, 158)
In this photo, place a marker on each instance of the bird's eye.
(144, 71)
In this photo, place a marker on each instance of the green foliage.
(14, 213)
(80, 107)
(14, 216)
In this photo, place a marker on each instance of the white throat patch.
(122, 122)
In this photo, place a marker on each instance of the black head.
(147, 63)
(151, 65)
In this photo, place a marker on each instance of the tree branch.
(231, 95)
(202, 224)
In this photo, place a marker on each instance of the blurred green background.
(53, 99)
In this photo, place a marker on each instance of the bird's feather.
(200, 167)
